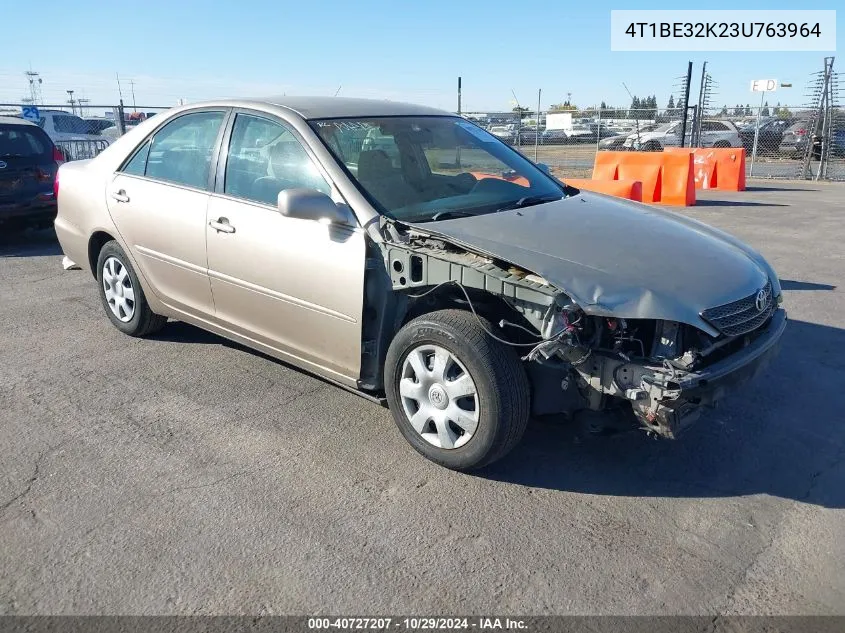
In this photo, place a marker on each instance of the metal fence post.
(121, 122)
(598, 130)
(756, 136)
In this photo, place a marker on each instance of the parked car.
(795, 138)
(554, 137)
(769, 137)
(713, 134)
(28, 164)
(505, 133)
(469, 297)
(614, 143)
(62, 126)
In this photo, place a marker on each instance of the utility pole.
(459, 96)
(83, 103)
(537, 125)
(132, 85)
(686, 103)
(71, 101)
(35, 82)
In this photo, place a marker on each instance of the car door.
(158, 201)
(293, 285)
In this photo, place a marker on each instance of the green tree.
(765, 110)
(724, 111)
(748, 109)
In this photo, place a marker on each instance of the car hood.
(620, 258)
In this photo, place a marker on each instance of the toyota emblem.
(761, 300)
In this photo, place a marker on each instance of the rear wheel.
(122, 295)
(652, 146)
(458, 396)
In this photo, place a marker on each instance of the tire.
(129, 314)
(722, 144)
(652, 146)
(500, 404)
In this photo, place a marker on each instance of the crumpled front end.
(667, 371)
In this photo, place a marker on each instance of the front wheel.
(458, 396)
(122, 295)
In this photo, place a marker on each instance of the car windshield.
(419, 169)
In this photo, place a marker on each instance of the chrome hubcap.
(117, 284)
(439, 396)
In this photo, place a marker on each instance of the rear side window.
(22, 140)
(138, 165)
(181, 151)
(70, 124)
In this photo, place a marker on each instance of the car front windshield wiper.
(529, 201)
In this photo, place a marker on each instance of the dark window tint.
(264, 159)
(22, 140)
(181, 151)
(68, 124)
(138, 165)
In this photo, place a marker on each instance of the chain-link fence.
(781, 142)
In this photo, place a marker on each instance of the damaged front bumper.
(673, 405)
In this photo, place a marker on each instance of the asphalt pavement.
(185, 474)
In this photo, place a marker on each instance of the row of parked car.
(529, 135)
(786, 137)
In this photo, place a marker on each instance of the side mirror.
(544, 168)
(310, 204)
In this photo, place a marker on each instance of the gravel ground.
(185, 474)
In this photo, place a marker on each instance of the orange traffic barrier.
(666, 178)
(519, 180)
(630, 189)
(720, 168)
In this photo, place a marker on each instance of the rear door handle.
(221, 225)
(120, 196)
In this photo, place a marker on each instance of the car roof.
(13, 120)
(338, 107)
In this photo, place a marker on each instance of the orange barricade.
(666, 178)
(630, 189)
(720, 168)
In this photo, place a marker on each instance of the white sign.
(559, 121)
(30, 113)
(764, 85)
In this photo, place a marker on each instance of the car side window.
(266, 158)
(138, 165)
(181, 151)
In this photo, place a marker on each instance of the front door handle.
(221, 225)
(120, 195)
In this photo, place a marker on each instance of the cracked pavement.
(184, 474)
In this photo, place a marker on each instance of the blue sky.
(409, 51)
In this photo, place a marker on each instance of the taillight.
(801, 132)
(56, 186)
(57, 155)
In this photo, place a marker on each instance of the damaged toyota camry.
(409, 255)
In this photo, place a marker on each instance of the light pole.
(70, 101)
